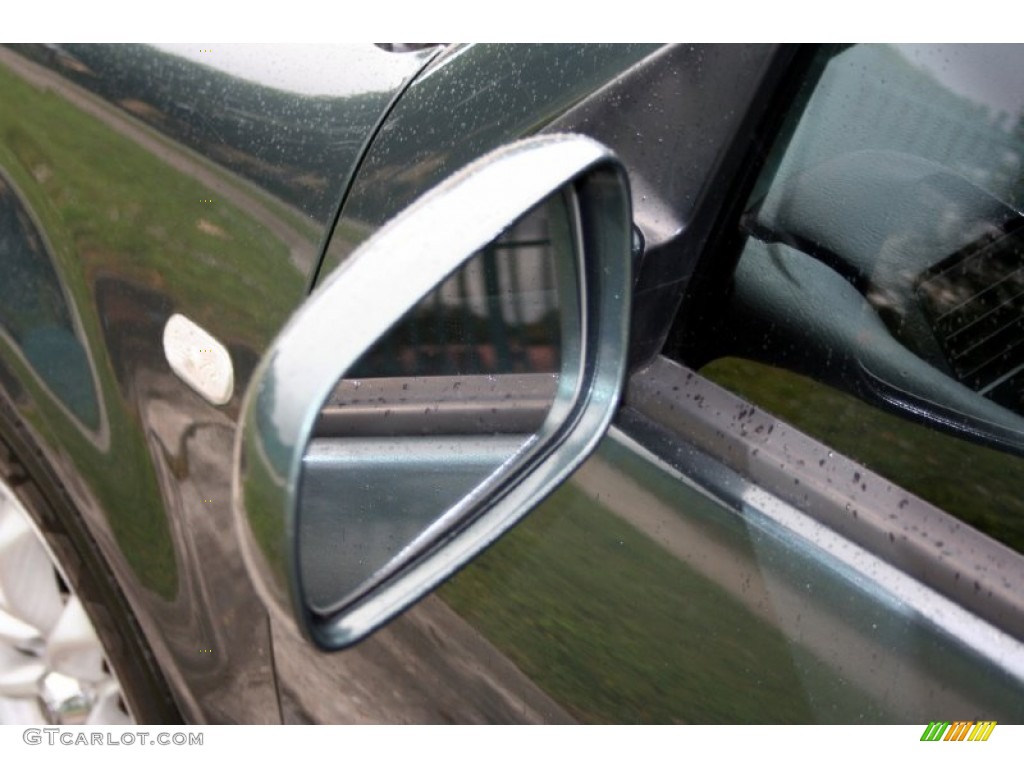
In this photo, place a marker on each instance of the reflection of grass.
(294, 218)
(979, 485)
(616, 629)
(113, 210)
(130, 214)
(263, 507)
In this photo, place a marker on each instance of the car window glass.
(878, 302)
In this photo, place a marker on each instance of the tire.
(70, 649)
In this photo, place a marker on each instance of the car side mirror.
(443, 381)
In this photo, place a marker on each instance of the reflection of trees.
(499, 313)
(29, 292)
(35, 314)
(1016, 172)
(976, 307)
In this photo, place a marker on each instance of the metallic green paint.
(170, 182)
(468, 102)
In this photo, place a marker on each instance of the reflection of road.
(429, 666)
(887, 674)
(215, 609)
(224, 185)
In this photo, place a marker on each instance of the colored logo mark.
(958, 730)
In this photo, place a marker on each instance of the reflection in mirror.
(455, 390)
(974, 301)
(927, 300)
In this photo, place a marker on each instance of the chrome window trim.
(960, 567)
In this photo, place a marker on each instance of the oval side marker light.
(198, 359)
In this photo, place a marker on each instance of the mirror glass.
(461, 386)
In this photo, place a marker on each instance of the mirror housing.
(424, 245)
